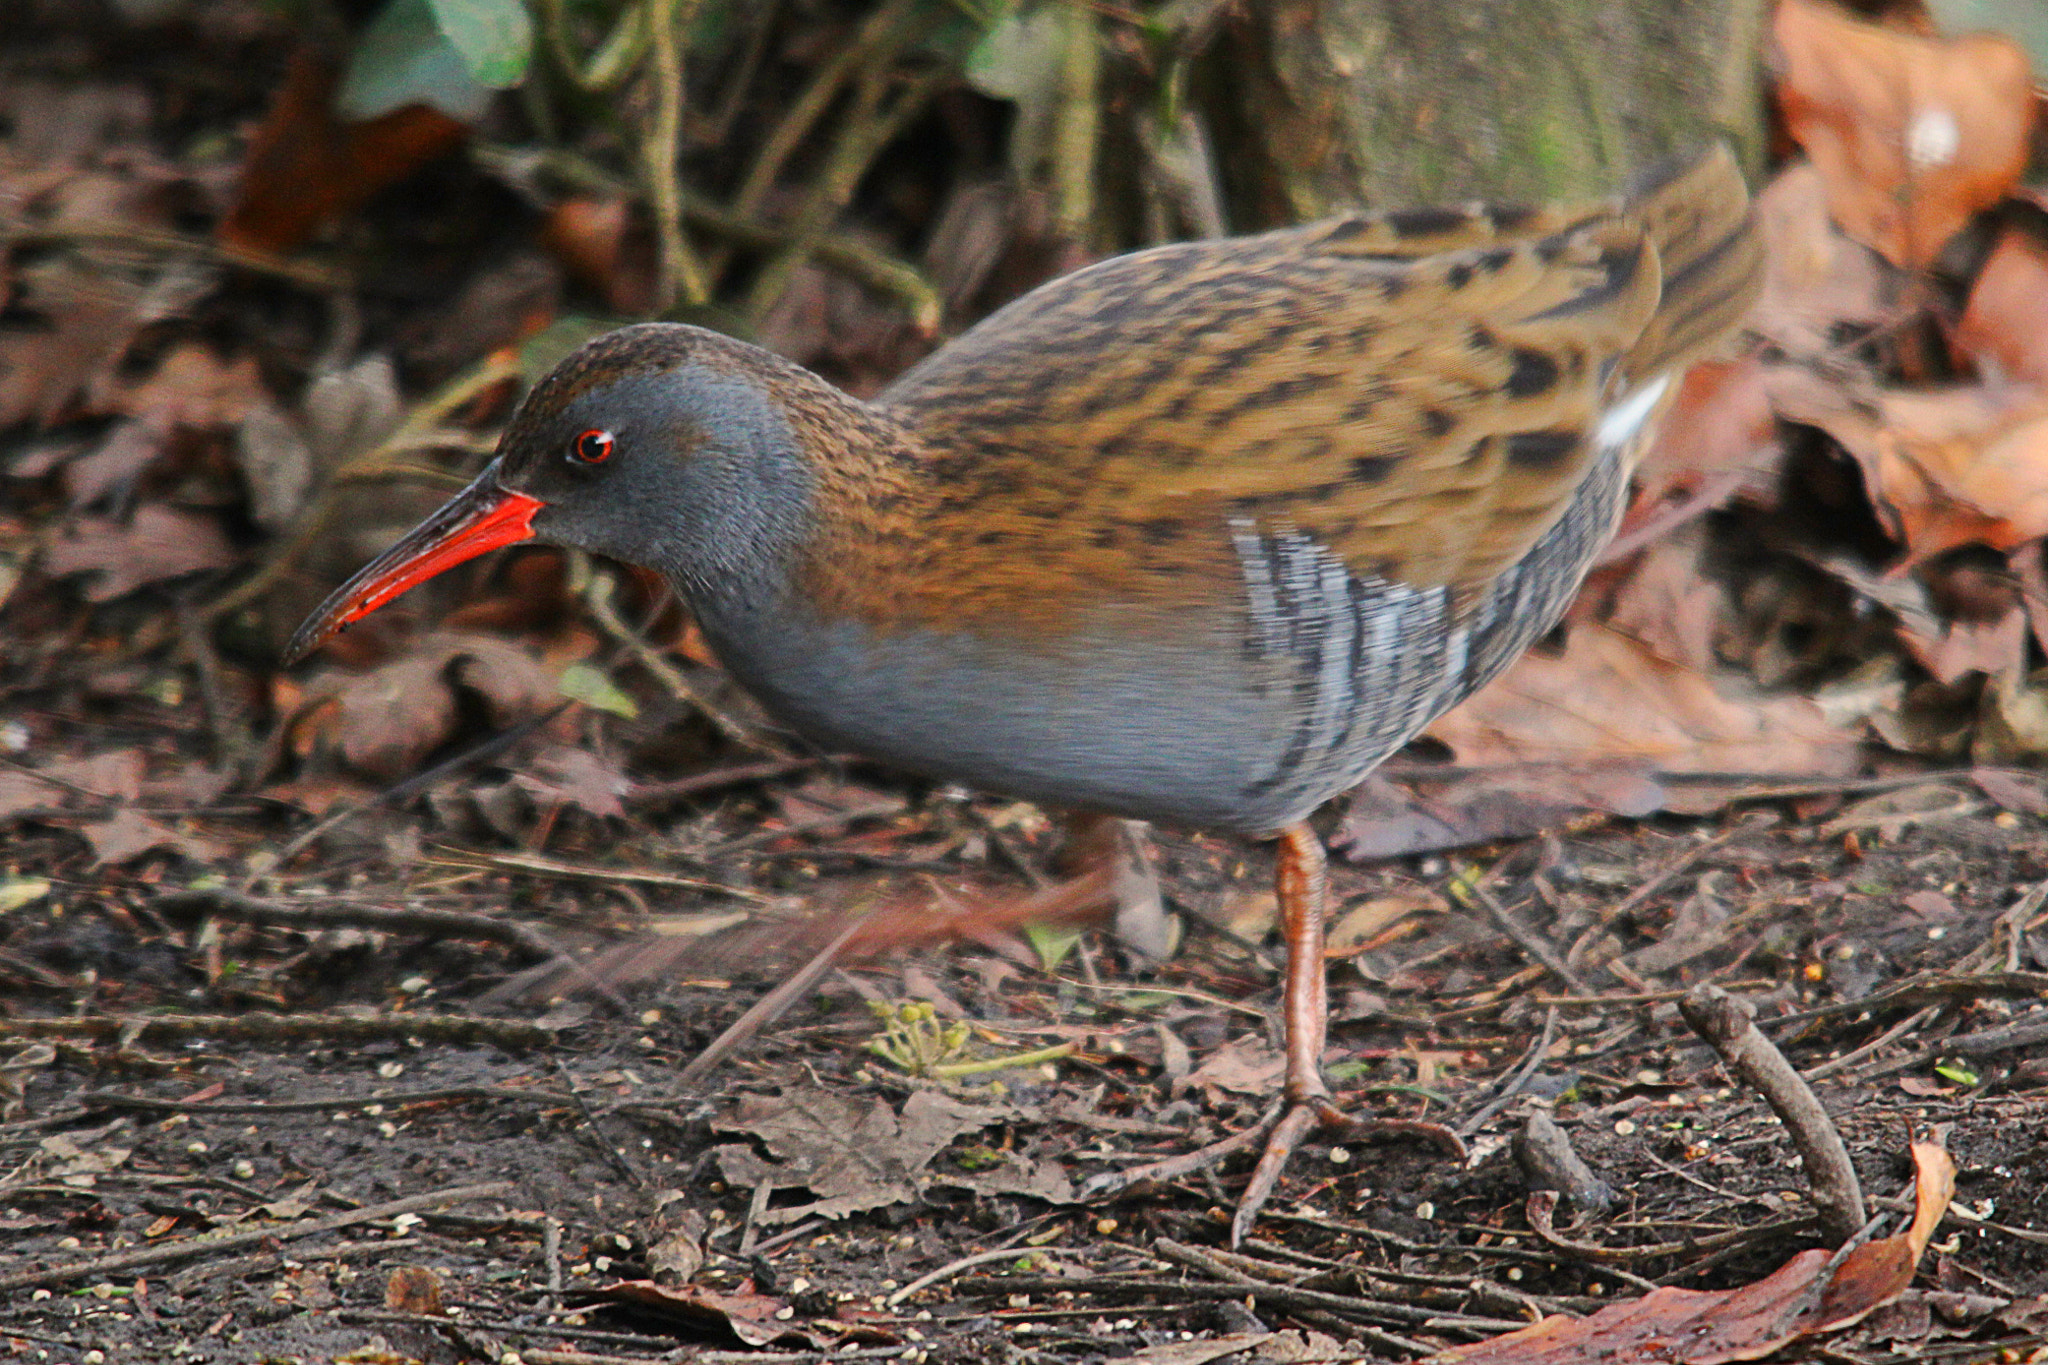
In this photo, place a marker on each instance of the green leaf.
(582, 682)
(1052, 943)
(1957, 1072)
(1019, 57)
(494, 37)
(19, 892)
(403, 58)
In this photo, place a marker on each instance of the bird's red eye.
(592, 447)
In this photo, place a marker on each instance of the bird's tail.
(1697, 213)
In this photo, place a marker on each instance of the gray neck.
(749, 495)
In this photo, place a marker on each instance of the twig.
(811, 105)
(401, 920)
(771, 1006)
(952, 1268)
(160, 242)
(869, 127)
(1279, 1296)
(1076, 124)
(1924, 991)
(829, 822)
(1890, 1035)
(1512, 1086)
(718, 779)
(1525, 938)
(112, 1099)
(1239, 1270)
(877, 270)
(681, 277)
(1542, 1206)
(437, 1028)
(170, 1252)
(555, 867)
(1730, 1025)
(597, 596)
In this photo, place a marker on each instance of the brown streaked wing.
(1423, 418)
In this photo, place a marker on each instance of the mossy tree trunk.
(1320, 105)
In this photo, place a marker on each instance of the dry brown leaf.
(1962, 466)
(1912, 135)
(1801, 1298)
(1996, 648)
(1720, 438)
(305, 167)
(193, 387)
(1670, 603)
(561, 775)
(2004, 327)
(853, 1155)
(113, 775)
(1358, 926)
(157, 543)
(1423, 814)
(1817, 282)
(1966, 465)
(1609, 697)
(128, 834)
(89, 321)
(128, 449)
(389, 719)
(749, 1317)
(1247, 1065)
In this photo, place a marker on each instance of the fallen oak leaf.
(1607, 697)
(1912, 135)
(128, 834)
(2004, 326)
(1814, 1292)
(157, 543)
(748, 1316)
(387, 721)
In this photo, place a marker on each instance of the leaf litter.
(1831, 575)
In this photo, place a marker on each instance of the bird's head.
(660, 445)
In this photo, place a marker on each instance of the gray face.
(698, 479)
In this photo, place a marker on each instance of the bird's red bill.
(481, 518)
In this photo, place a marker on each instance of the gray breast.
(1246, 718)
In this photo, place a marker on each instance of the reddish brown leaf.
(560, 775)
(1945, 467)
(2004, 327)
(306, 168)
(749, 1317)
(88, 322)
(1912, 135)
(1689, 1327)
(159, 542)
(600, 245)
(1608, 697)
(1719, 436)
(1421, 814)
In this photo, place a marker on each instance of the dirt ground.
(311, 1141)
(311, 1048)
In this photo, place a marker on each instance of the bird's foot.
(1282, 1127)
